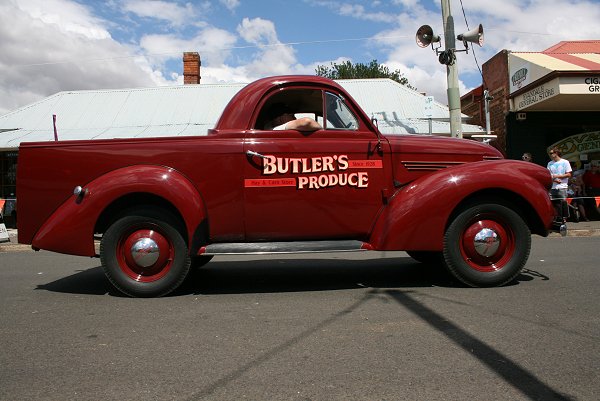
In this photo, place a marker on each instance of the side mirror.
(376, 125)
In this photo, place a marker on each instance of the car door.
(325, 184)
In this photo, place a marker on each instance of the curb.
(13, 245)
(10, 247)
(579, 233)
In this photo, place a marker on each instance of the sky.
(48, 46)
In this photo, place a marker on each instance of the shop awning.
(554, 81)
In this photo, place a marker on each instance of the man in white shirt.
(560, 169)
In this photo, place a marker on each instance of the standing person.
(591, 178)
(577, 191)
(527, 157)
(560, 169)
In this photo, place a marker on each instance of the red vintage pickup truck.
(163, 204)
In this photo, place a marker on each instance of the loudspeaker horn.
(473, 36)
(425, 36)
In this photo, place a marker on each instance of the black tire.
(487, 245)
(159, 266)
(427, 257)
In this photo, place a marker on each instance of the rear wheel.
(144, 255)
(487, 245)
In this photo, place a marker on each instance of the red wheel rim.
(487, 245)
(142, 262)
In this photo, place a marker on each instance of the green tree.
(347, 70)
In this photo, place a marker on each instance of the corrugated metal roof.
(581, 55)
(399, 109)
(192, 110)
(385, 95)
(120, 113)
(577, 46)
(551, 62)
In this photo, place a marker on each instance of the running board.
(259, 248)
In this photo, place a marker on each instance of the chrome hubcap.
(486, 242)
(145, 252)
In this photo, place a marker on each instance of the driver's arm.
(303, 124)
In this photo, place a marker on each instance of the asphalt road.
(364, 326)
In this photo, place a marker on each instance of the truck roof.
(239, 111)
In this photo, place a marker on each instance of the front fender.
(70, 229)
(418, 214)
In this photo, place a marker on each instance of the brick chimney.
(191, 68)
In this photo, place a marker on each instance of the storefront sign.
(593, 84)
(519, 77)
(523, 70)
(580, 85)
(574, 146)
(537, 95)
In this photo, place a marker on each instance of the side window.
(337, 114)
(288, 104)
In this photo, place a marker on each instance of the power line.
(90, 60)
(472, 47)
(79, 60)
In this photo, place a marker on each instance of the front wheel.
(487, 245)
(144, 255)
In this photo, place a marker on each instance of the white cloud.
(210, 41)
(273, 57)
(275, 60)
(537, 25)
(66, 17)
(44, 52)
(54, 45)
(224, 74)
(511, 24)
(358, 11)
(270, 57)
(406, 3)
(175, 14)
(258, 31)
(230, 4)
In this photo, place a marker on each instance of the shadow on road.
(285, 275)
(87, 282)
(514, 374)
(393, 278)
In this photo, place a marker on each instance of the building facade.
(543, 99)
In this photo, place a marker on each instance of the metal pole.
(54, 124)
(452, 73)
(486, 100)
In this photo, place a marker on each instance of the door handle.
(251, 153)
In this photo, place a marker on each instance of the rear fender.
(417, 216)
(70, 229)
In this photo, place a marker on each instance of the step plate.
(283, 247)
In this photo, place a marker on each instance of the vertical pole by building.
(452, 73)
(428, 112)
(486, 100)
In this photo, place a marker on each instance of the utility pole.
(452, 72)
